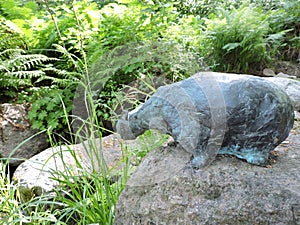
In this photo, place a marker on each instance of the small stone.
(268, 72)
(289, 86)
(285, 75)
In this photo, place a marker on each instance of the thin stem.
(52, 14)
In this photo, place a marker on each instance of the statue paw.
(258, 160)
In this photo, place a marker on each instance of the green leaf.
(53, 124)
(231, 46)
(50, 106)
(42, 115)
(38, 125)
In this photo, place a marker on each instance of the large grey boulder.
(165, 189)
(35, 175)
(17, 139)
(38, 172)
(291, 87)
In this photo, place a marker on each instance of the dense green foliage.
(232, 36)
(48, 48)
(236, 40)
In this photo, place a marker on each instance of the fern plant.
(18, 70)
(9, 36)
(285, 20)
(235, 41)
(33, 78)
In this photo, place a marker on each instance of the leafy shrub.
(102, 3)
(121, 24)
(33, 79)
(71, 24)
(24, 17)
(10, 36)
(47, 111)
(135, 61)
(285, 20)
(268, 5)
(19, 70)
(14, 10)
(201, 8)
(235, 41)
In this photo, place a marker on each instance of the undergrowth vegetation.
(236, 40)
(113, 55)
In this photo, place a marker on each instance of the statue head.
(123, 127)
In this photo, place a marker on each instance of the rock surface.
(165, 189)
(286, 67)
(15, 129)
(37, 172)
(285, 76)
(291, 87)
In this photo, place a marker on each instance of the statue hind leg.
(253, 155)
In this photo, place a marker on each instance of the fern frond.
(26, 74)
(3, 69)
(8, 53)
(76, 61)
(27, 62)
(8, 80)
(71, 76)
(19, 70)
